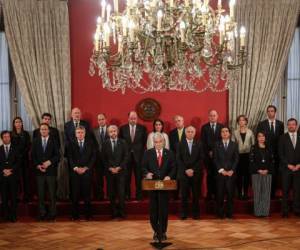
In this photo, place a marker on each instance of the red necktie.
(159, 158)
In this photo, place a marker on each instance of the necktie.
(180, 134)
(213, 128)
(44, 144)
(76, 124)
(81, 146)
(113, 145)
(132, 134)
(6, 152)
(294, 140)
(159, 158)
(226, 145)
(190, 147)
(102, 134)
(272, 128)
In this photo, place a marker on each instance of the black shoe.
(75, 217)
(183, 216)
(41, 217)
(155, 237)
(88, 217)
(284, 215)
(164, 237)
(220, 216)
(297, 214)
(229, 216)
(51, 218)
(13, 218)
(196, 216)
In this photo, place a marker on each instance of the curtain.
(270, 28)
(38, 39)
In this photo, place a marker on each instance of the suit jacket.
(98, 139)
(226, 159)
(174, 138)
(21, 143)
(244, 147)
(272, 140)
(261, 160)
(69, 129)
(53, 132)
(150, 164)
(287, 153)
(185, 160)
(86, 158)
(140, 139)
(118, 157)
(51, 153)
(12, 162)
(209, 138)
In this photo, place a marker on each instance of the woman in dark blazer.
(21, 141)
(261, 167)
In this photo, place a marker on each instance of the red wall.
(91, 98)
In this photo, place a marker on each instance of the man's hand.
(149, 176)
(167, 178)
(210, 153)
(292, 167)
(41, 168)
(224, 173)
(230, 173)
(118, 169)
(7, 172)
(189, 172)
(46, 164)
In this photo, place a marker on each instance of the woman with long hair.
(158, 126)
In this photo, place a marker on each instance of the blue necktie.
(113, 145)
(81, 146)
(226, 145)
(6, 152)
(44, 145)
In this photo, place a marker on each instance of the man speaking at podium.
(159, 164)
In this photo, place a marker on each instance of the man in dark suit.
(159, 164)
(70, 126)
(8, 177)
(289, 153)
(177, 134)
(226, 157)
(100, 135)
(82, 157)
(54, 133)
(273, 129)
(135, 136)
(210, 134)
(189, 156)
(45, 157)
(115, 157)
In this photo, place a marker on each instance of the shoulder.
(204, 126)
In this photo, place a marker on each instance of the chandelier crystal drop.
(161, 45)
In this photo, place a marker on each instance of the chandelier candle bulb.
(103, 7)
(106, 34)
(231, 9)
(182, 27)
(219, 4)
(171, 3)
(131, 31)
(159, 19)
(242, 36)
(116, 6)
(186, 3)
(124, 26)
(108, 10)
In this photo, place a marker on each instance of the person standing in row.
(210, 134)
(82, 157)
(100, 135)
(273, 129)
(245, 139)
(9, 166)
(261, 168)
(21, 141)
(289, 153)
(189, 156)
(226, 157)
(158, 126)
(115, 157)
(135, 136)
(45, 157)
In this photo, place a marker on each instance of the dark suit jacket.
(86, 158)
(227, 159)
(140, 139)
(287, 153)
(53, 132)
(150, 164)
(259, 160)
(174, 139)
(272, 140)
(51, 153)
(12, 162)
(70, 131)
(21, 143)
(185, 160)
(97, 138)
(209, 138)
(118, 158)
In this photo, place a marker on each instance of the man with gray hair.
(159, 164)
(189, 156)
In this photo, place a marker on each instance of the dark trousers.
(275, 176)
(24, 178)
(81, 186)
(134, 166)
(50, 182)
(9, 190)
(243, 175)
(192, 184)
(290, 178)
(225, 186)
(159, 200)
(116, 189)
(99, 181)
(211, 177)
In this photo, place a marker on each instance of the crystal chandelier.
(160, 45)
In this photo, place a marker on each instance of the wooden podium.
(159, 185)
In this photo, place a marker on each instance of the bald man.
(135, 136)
(210, 134)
